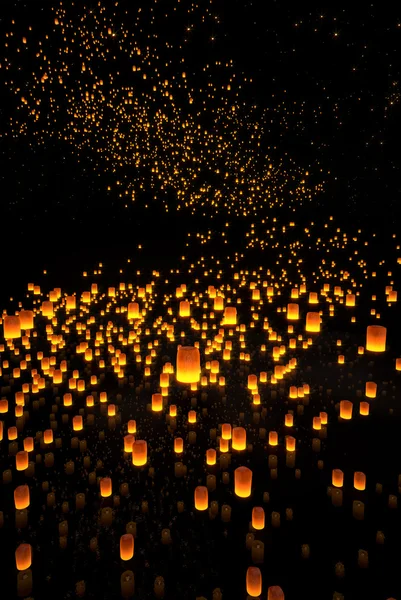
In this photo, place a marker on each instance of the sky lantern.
(11, 327)
(188, 364)
(337, 478)
(157, 402)
(292, 312)
(275, 593)
(376, 338)
(346, 409)
(226, 431)
(371, 389)
(23, 557)
(140, 453)
(178, 445)
(253, 582)
(238, 438)
(126, 546)
(26, 319)
(22, 460)
(133, 310)
(230, 316)
(242, 482)
(21, 497)
(105, 487)
(258, 518)
(359, 480)
(312, 322)
(201, 496)
(77, 423)
(211, 456)
(185, 309)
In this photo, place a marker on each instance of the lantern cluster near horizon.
(118, 331)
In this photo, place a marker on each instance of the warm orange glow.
(242, 482)
(293, 312)
(359, 480)
(346, 409)
(178, 445)
(312, 322)
(376, 338)
(201, 497)
(290, 443)
(157, 402)
(371, 389)
(129, 441)
(188, 364)
(238, 438)
(77, 423)
(140, 453)
(253, 582)
(23, 557)
(11, 327)
(289, 420)
(364, 409)
(131, 426)
(258, 517)
(211, 456)
(126, 546)
(22, 460)
(337, 478)
(21, 497)
(105, 487)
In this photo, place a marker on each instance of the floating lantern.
(275, 593)
(126, 546)
(292, 312)
(253, 582)
(346, 409)
(178, 445)
(370, 389)
(157, 402)
(21, 460)
(376, 338)
(337, 478)
(11, 327)
(359, 480)
(188, 364)
(230, 315)
(242, 482)
(238, 438)
(77, 423)
(23, 557)
(226, 431)
(21, 497)
(258, 518)
(105, 487)
(140, 453)
(210, 457)
(201, 497)
(313, 322)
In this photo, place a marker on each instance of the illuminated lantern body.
(21, 497)
(105, 487)
(289, 420)
(77, 423)
(312, 322)
(253, 582)
(131, 426)
(398, 364)
(126, 546)
(140, 453)
(192, 417)
(226, 431)
(21, 459)
(185, 309)
(129, 441)
(371, 389)
(47, 309)
(188, 364)
(238, 438)
(133, 310)
(338, 478)
(178, 445)
(292, 312)
(252, 382)
(376, 338)
(242, 482)
(11, 328)
(359, 480)
(364, 409)
(290, 443)
(201, 497)
(258, 518)
(275, 593)
(346, 409)
(48, 436)
(23, 557)
(211, 457)
(26, 319)
(157, 402)
(71, 303)
(230, 316)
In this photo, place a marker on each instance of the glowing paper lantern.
(242, 482)
(26, 319)
(371, 389)
(11, 327)
(23, 557)
(275, 593)
(157, 402)
(346, 409)
(188, 364)
(337, 478)
(185, 309)
(21, 497)
(140, 453)
(238, 438)
(293, 312)
(376, 338)
(230, 316)
(201, 497)
(105, 487)
(253, 582)
(313, 322)
(359, 480)
(258, 518)
(226, 431)
(22, 460)
(126, 546)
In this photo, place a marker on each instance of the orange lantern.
(275, 593)
(133, 310)
(290, 443)
(376, 338)
(398, 364)
(188, 364)
(346, 409)
(48, 436)
(126, 546)
(22, 460)
(289, 420)
(292, 312)
(252, 382)
(77, 423)
(11, 327)
(258, 518)
(201, 497)
(230, 315)
(273, 438)
(210, 457)
(364, 409)
(253, 582)
(178, 445)
(185, 309)
(105, 487)
(337, 478)
(226, 431)
(140, 453)
(192, 417)
(23, 557)
(129, 441)
(359, 480)
(242, 482)
(371, 389)
(313, 322)
(157, 402)
(131, 426)
(26, 319)
(21, 497)
(238, 438)
(28, 444)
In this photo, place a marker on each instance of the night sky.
(175, 151)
